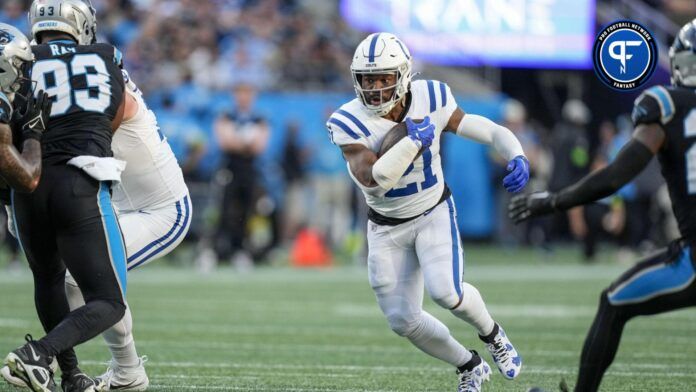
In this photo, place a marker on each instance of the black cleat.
(78, 382)
(31, 366)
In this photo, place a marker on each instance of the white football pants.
(425, 251)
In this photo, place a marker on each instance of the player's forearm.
(483, 130)
(630, 161)
(22, 172)
(391, 166)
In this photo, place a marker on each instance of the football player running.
(665, 125)
(413, 240)
(154, 210)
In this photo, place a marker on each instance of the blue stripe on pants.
(114, 240)
(181, 230)
(661, 279)
(455, 248)
(154, 243)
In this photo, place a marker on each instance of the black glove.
(523, 207)
(33, 119)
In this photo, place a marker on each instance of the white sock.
(473, 310)
(75, 299)
(119, 338)
(433, 338)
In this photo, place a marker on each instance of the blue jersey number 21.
(412, 187)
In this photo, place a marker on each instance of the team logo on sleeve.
(625, 55)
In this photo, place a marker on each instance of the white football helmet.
(382, 53)
(73, 17)
(15, 53)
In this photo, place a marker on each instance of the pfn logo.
(625, 55)
(621, 55)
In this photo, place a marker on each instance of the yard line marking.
(15, 323)
(410, 369)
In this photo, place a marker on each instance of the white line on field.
(14, 323)
(247, 388)
(410, 369)
(361, 349)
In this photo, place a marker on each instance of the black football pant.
(237, 206)
(660, 283)
(69, 222)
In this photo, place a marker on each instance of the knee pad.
(403, 325)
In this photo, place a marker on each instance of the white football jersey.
(152, 177)
(421, 186)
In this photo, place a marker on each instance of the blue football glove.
(519, 174)
(422, 133)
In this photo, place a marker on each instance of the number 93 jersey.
(422, 185)
(674, 109)
(86, 85)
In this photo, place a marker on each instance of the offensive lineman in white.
(413, 239)
(154, 212)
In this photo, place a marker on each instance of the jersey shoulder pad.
(654, 105)
(348, 125)
(5, 109)
(436, 94)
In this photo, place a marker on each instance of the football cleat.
(79, 382)
(505, 356)
(119, 378)
(472, 380)
(12, 378)
(32, 367)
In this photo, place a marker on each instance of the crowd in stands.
(191, 56)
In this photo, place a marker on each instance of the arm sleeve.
(483, 130)
(630, 161)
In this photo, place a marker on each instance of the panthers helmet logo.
(5, 37)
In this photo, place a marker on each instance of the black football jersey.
(674, 108)
(86, 85)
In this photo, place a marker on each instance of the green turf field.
(280, 329)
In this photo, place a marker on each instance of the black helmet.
(682, 56)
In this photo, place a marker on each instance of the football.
(395, 134)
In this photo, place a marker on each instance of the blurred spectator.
(293, 161)
(242, 135)
(571, 161)
(515, 119)
(607, 217)
(331, 195)
(13, 13)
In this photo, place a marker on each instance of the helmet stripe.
(431, 95)
(355, 121)
(403, 50)
(373, 44)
